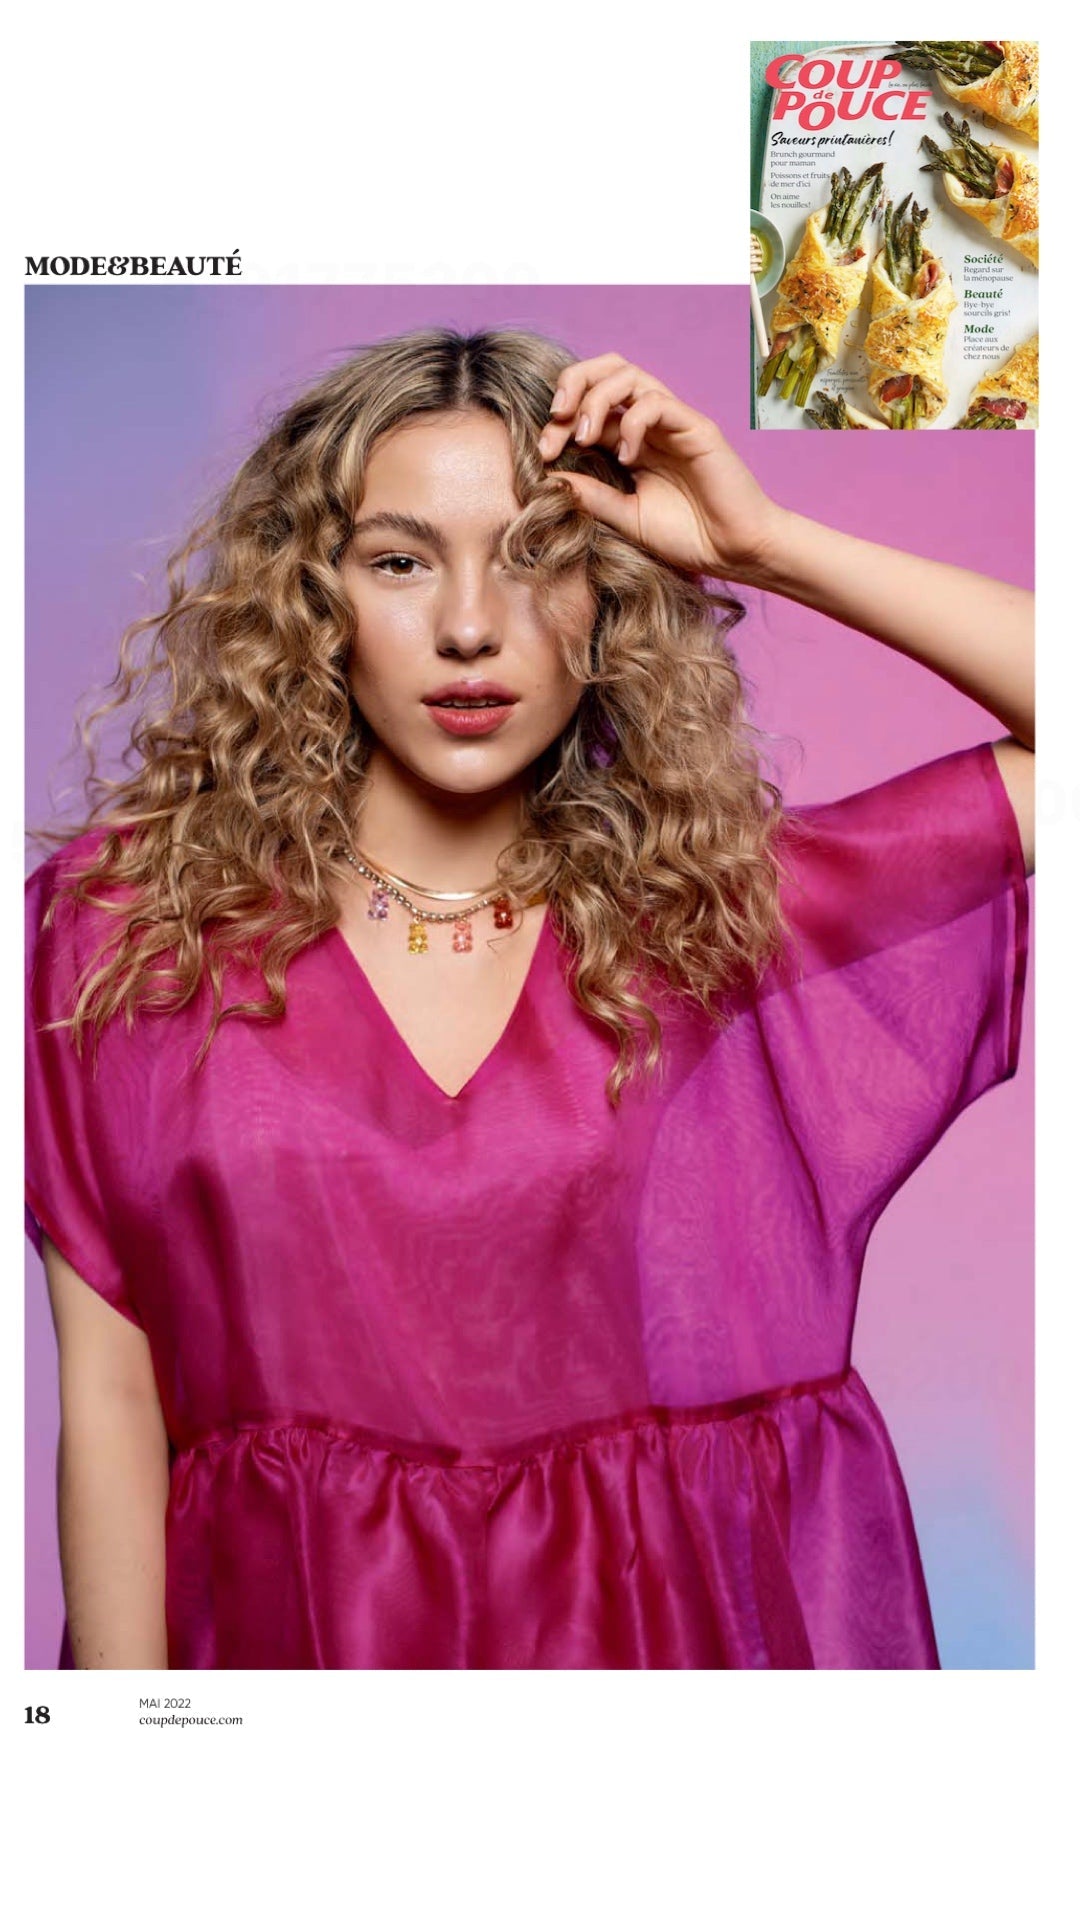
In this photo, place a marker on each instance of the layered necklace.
(389, 886)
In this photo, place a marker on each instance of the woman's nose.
(469, 619)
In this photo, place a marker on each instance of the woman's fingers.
(557, 434)
(589, 389)
(621, 427)
(582, 374)
(615, 509)
(617, 389)
(595, 395)
(634, 424)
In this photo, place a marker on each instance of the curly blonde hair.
(649, 824)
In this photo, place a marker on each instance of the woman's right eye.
(399, 566)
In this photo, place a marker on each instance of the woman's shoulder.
(51, 890)
(77, 854)
(898, 802)
(891, 861)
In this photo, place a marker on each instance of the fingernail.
(622, 451)
(559, 400)
(582, 427)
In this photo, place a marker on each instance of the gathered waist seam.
(422, 1453)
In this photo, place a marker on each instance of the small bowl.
(774, 252)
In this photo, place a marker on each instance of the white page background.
(570, 143)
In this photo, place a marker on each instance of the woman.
(454, 1254)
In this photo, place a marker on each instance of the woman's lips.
(469, 721)
(470, 707)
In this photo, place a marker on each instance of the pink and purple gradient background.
(141, 401)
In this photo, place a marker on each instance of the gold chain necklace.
(387, 886)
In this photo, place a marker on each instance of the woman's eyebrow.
(414, 528)
(404, 523)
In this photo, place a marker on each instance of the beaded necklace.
(388, 886)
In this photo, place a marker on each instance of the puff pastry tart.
(1008, 397)
(998, 186)
(821, 285)
(996, 77)
(911, 299)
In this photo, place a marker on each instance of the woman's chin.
(467, 768)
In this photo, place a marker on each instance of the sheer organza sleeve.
(909, 905)
(69, 1132)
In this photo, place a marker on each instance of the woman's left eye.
(399, 566)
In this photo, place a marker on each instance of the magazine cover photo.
(895, 235)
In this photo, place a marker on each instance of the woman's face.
(438, 620)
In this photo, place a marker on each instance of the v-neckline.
(363, 987)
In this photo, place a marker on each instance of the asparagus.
(767, 375)
(791, 379)
(948, 163)
(902, 241)
(828, 411)
(863, 197)
(903, 247)
(976, 418)
(849, 210)
(794, 369)
(974, 166)
(850, 204)
(886, 238)
(898, 246)
(776, 367)
(919, 217)
(809, 367)
(981, 159)
(839, 183)
(961, 61)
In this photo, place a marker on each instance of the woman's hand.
(695, 503)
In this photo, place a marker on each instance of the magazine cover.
(895, 235)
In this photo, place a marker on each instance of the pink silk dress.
(509, 1379)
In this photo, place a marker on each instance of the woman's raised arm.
(113, 1478)
(975, 632)
(698, 506)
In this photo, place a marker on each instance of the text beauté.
(123, 266)
(864, 90)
